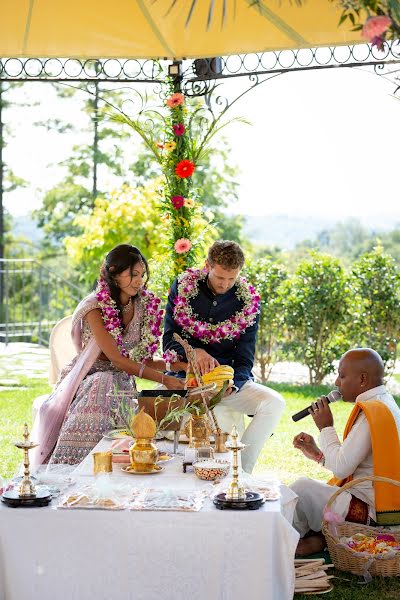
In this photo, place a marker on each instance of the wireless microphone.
(333, 396)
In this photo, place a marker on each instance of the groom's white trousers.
(252, 399)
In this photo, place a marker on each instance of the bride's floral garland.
(230, 329)
(151, 327)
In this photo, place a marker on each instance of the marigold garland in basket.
(230, 329)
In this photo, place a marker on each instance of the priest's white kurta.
(353, 457)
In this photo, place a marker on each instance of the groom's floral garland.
(151, 327)
(230, 329)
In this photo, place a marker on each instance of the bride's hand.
(178, 366)
(173, 383)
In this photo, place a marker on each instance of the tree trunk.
(95, 138)
(1, 205)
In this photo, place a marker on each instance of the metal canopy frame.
(199, 76)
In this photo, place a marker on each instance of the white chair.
(62, 351)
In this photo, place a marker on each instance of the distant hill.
(286, 231)
(26, 227)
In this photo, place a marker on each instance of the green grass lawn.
(15, 410)
(278, 457)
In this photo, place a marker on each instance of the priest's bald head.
(359, 370)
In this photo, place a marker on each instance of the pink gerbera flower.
(175, 100)
(182, 245)
(178, 201)
(374, 27)
(179, 129)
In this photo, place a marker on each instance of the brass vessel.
(102, 462)
(221, 437)
(143, 455)
(198, 430)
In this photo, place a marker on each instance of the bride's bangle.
(141, 370)
(162, 378)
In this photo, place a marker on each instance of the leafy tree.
(376, 282)
(267, 277)
(8, 180)
(131, 216)
(390, 241)
(77, 192)
(317, 300)
(60, 207)
(346, 240)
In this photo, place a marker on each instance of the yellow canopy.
(157, 28)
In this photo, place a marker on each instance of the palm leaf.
(136, 126)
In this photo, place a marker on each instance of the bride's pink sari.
(73, 418)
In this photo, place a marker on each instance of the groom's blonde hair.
(226, 254)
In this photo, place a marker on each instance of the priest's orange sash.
(385, 456)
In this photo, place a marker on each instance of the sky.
(321, 143)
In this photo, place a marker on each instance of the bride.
(115, 331)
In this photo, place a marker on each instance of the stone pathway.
(19, 358)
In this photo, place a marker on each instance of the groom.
(217, 311)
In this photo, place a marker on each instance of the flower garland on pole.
(178, 167)
(178, 134)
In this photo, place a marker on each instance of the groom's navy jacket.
(214, 308)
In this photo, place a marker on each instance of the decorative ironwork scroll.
(195, 74)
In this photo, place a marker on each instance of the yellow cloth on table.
(385, 456)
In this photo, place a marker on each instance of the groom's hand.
(205, 361)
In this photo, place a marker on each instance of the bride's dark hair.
(119, 259)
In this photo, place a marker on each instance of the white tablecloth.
(47, 553)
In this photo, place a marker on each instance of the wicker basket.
(344, 558)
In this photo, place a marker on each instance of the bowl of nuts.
(210, 469)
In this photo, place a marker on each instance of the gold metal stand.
(235, 490)
(236, 496)
(26, 494)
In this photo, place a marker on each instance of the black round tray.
(252, 501)
(12, 498)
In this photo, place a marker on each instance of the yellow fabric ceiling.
(156, 28)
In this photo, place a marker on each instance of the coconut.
(143, 425)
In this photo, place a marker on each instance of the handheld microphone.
(333, 396)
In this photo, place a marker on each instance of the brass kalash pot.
(198, 430)
(143, 453)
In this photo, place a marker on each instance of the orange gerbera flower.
(184, 169)
(175, 100)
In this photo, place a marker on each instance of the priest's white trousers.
(252, 399)
(312, 498)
